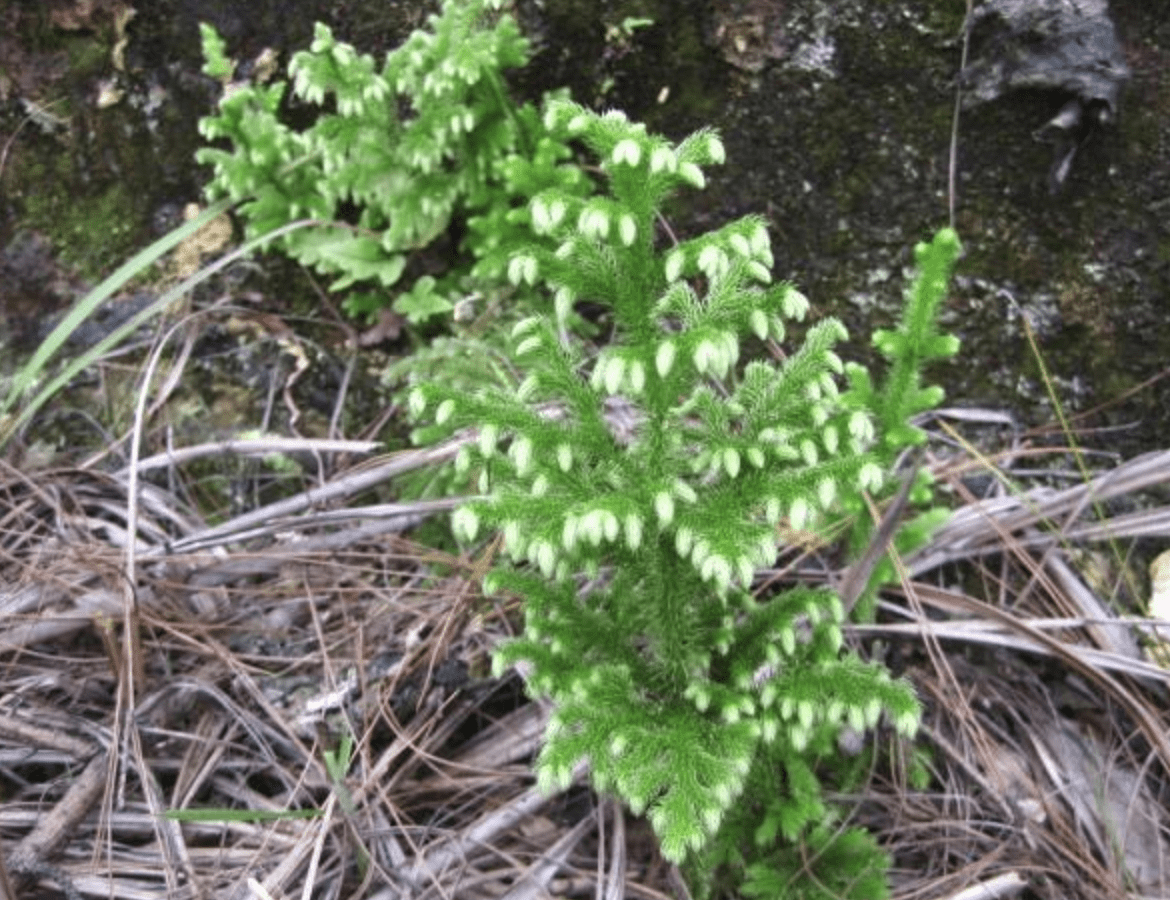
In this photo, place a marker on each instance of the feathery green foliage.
(644, 483)
(642, 487)
(429, 138)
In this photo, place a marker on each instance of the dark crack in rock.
(1066, 46)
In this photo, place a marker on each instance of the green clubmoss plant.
(430, 138)
(639, 487)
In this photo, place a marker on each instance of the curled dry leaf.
(1160, 586)
(1159, 608)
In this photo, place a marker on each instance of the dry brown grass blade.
(30, 857)
(615, 878)
(978, 528)
(1139, 710)
(332, 603)
(533, 884)
(1055, 764)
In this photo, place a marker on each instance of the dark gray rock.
(1066, 46)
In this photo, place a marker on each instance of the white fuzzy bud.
(527, 345)
(664, 358)
(541, 223)
(597, 376)
(760, 241)
(663, 159)
(715, 151)
(522, 269)
(512, 537)
(615, 370)
(521, 454)
(564, 457)
(745, 570)
(637, 377)
(698, 695)
(524, 326)
(718, 570)
(731, 462)
(730, 343)
(488, 436)
(759, 323)
(546, 558)
(627, 229)
(664, 508)
(633, 531)
(417, 402)
(627, 151)
(704, 356)
(569, 532)
(692, 175)
(590, 527)
(799, 513)
(556, 213)
(860, 427)
(593, 223)
(831, 440)
(563, 303)
(906, 724)
(870, 477)
(760, 272)
(713, 262)
(794, 304)
(465, 524)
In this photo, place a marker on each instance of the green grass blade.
(91, 301)
(213, 814)
(9, 425)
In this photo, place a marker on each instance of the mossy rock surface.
(836, 115)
